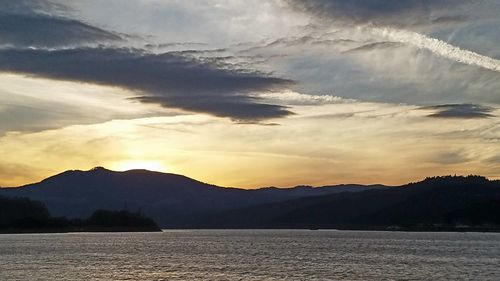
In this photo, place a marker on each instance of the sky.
(251, 93)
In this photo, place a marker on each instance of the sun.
(140, 165)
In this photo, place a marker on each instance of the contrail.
(439, 47)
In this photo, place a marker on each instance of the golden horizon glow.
(190, 89)
(128, 165)
(326, 142)
(258, 156)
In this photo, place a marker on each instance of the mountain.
(442, 203)
(171, 200)
(175, 201)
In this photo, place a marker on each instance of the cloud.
(495, 160)
(11, 174)
(461, 111)
(33, 6)
(439, 47)
(288, 42)
(451, 158)
(46, 31)
(385, 64)
(40, 38)
(218, 23)
(388, 19)
(167, 79)
(25, 105)
(375, 46)
(411, 147)
(294, 98)
(238, 108)
(40, 24)
(450, 19)
(399, 13)
(174, 44)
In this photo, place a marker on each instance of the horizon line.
(100, 168)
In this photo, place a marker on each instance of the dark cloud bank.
(41, 24)
(42, 41)
(29, 28)
(460, 111)
(382, 12)
(166, 79)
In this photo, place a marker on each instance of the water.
(251, 255)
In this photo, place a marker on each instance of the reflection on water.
(251, 255)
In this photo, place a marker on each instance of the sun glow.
(140, 165)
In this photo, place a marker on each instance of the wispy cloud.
(394, 20)
(438, 47)
(294, 98)
(450, 158)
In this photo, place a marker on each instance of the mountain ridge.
(177, 201)
(434, 204)
(102, 169)
(168, 198)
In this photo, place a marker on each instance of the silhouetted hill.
(15, 210)
(441, 203)
(118, 221)
(171, 200)
(175, 201)
(21, 215)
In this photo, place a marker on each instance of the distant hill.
(442, 203)
(171, 200)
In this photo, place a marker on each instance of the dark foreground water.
(251, 255)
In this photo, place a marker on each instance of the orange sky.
(250, 93)
(378, 143)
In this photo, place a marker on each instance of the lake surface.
(251, 255)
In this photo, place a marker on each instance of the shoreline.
(110, 230)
